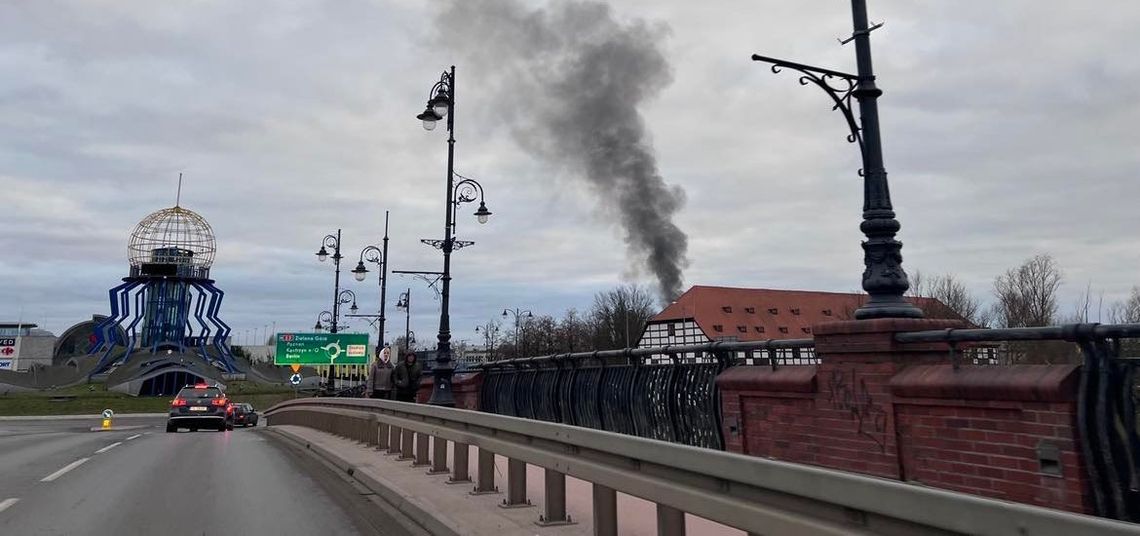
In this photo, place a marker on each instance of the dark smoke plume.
(570, 79)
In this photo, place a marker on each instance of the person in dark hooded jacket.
(407, 378)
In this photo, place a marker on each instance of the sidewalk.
(450, 509)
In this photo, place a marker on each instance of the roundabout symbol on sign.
(107, 414)
(295, 379)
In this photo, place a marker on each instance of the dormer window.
(750, 310)
(774, 311)
(718, 328)
(806, 330)
(783, 329)
(726, 309)
(796, 311)
(827, 312)
(759, 329)
(742, 329)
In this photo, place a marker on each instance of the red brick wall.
(465, 388)
(877, 407)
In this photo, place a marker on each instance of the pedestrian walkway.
(451, 509)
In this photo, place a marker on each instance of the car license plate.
(198, 408)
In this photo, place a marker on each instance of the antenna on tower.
(178, 197)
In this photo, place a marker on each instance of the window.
(726, 309)
(783, 329)
(742, 329)
(759, 329)
(750, 310)
(774, 311)
(672, 330)
(806, 330)
(718, 328)
(827, 312)
(796, 310)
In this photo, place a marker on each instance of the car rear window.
(208, 392)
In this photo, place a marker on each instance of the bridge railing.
(1107, 397)
(656, 392)
(752, 494)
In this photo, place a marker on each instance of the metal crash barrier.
(753, 494)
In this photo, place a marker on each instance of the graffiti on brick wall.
(850, 394)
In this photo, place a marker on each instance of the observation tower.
(168, 302)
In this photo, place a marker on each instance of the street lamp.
(517, 313)
(441, 103)
(883, 278)
(404, 303)
(379, 257)
(331, 241)
(324, 317)
(489, 335)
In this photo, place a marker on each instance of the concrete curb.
(118, 428)
(96, 417)
(415, 510)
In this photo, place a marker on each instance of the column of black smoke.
(570, 79)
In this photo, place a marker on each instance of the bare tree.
(574, 333)
(1126, 311)
(1027, 295)
(491, 333)
(953, 299)
(619, 316)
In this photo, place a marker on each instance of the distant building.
(23, 346)
(706, 314)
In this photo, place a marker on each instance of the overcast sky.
(1009, 129)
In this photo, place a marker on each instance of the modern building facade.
(23, 346)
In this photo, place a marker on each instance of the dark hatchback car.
(200, 406)
(244, 415)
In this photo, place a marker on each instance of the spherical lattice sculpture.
(172, 236)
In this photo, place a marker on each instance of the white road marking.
(146, 433)
(134, 436)
(65, 469)
(4, 504)
(108, 447)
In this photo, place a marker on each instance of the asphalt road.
(59, 477)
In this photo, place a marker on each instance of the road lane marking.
(7, 502)
(65, 469)
(108, 447)
(133, 437)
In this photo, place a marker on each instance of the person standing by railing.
(407, 378)
(380, 375)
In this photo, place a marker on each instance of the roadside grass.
(92, 399)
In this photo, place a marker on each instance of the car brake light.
(219, 402)
(201, 386)
(178, 402)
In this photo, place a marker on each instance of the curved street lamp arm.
(329, 241)
(371, 254)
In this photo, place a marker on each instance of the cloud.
(1008, 130)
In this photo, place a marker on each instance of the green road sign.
(321, 349)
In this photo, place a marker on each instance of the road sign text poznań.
(321, 349)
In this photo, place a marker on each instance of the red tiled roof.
(751, 314)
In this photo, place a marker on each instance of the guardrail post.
(516, 485)
(485, 479)
(459, 472)
(381, 436)
(394, 435)
(554, 500)
(421, 450)
(670, 521)
(438, 456)
(406, 438)
(605, 511)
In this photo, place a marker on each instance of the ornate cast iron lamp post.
(441, 102)
(404, 303)
(883, 277)
(518, 314)
(379, 257)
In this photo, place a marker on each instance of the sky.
(1008, 131)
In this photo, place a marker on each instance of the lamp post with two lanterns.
(378, 256)
(441, 103)
(518, 313)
